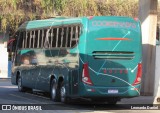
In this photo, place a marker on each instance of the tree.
(15, 12)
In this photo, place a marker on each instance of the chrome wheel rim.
(53, 91)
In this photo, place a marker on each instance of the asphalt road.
(9, 94)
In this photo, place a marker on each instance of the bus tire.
(55, 93)
(30, 90)
(63, 96)
(20, 87)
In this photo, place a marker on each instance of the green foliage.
(119, 8)
(15, 12)
(59, 5)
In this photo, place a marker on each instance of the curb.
(3, 79)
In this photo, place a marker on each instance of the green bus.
(97, 57)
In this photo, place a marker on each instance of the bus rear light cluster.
(139, 75)
(91, 17)
(85, 75)
(91, 90)
(136, 19)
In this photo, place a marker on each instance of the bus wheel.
(28, 89)
(54, 91)
(20, 87)
(64, 99)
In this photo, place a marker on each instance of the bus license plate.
(113, 91)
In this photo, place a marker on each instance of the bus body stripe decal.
(113, 39)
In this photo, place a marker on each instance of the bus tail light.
(91, 17)
(139, 75)
(136, 19)
(85, 75)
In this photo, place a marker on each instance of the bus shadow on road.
(77, 104)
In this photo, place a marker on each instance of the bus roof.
(45, 23)
(36, 24)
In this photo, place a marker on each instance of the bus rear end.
(113, 50)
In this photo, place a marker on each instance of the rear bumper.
(105, 92)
